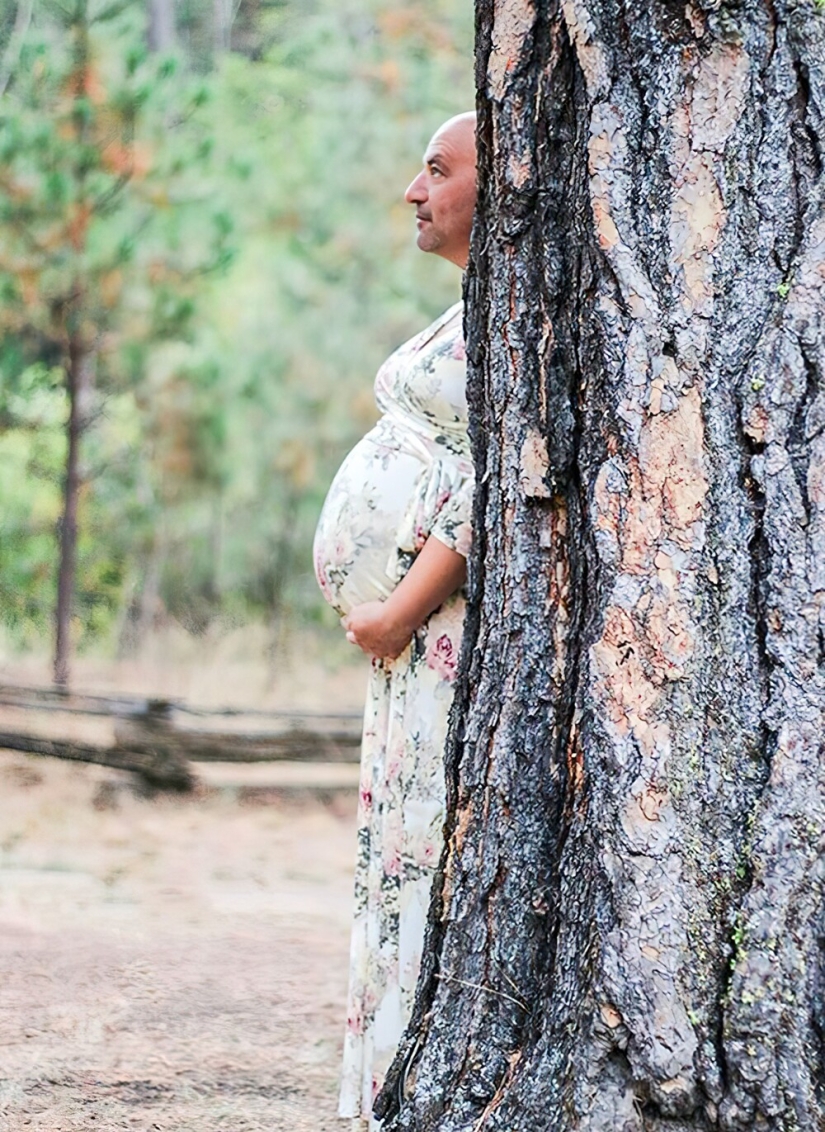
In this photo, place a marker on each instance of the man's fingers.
(353, 640)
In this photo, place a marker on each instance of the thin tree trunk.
(628, 925)
(140, 611)
(79, 384)
(161, 27)
(222, 19)
(276, 579)
(79, 356)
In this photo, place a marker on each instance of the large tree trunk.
(627, 928)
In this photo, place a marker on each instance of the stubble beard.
(428, 239)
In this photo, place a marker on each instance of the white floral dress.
(408, 479)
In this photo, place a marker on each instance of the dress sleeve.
(452, 524)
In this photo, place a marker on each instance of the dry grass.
(168, 963)
(223, 668)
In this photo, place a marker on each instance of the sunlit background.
(203, 199)
(204, 249)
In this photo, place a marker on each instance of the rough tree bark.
(627, 926)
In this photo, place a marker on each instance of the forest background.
(208, 196)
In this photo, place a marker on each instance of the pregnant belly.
(356, 542)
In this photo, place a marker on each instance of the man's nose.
(416, 190)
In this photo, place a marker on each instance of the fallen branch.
(155, 766)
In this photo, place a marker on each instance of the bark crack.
(797, 442)
(803, 80)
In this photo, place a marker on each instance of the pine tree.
(93, 212)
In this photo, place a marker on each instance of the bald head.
(444, 192)
(459, 132)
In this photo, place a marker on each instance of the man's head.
(444, 192)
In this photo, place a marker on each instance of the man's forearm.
(436, 573)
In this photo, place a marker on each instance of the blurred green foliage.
(244, 288)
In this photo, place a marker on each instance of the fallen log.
(156, 738)
(80, 703)
(332, 743)
(158, 767)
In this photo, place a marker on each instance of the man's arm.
(384, 628)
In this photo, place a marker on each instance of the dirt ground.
(169, 963)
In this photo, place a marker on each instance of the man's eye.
(435, 171)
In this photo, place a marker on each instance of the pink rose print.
(441, 657)
(459, 351)
(395, 764)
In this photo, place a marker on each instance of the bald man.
(391, 550)
(444, 192)
(444, 196)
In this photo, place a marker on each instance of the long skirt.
(400, 833)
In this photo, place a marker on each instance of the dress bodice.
(408, 478)
(421, 387)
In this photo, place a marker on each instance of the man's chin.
(425, 241)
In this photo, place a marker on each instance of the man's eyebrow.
(435, 158)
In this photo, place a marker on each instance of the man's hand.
(384, 628)
(375, 630)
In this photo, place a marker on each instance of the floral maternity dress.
(408, 479)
